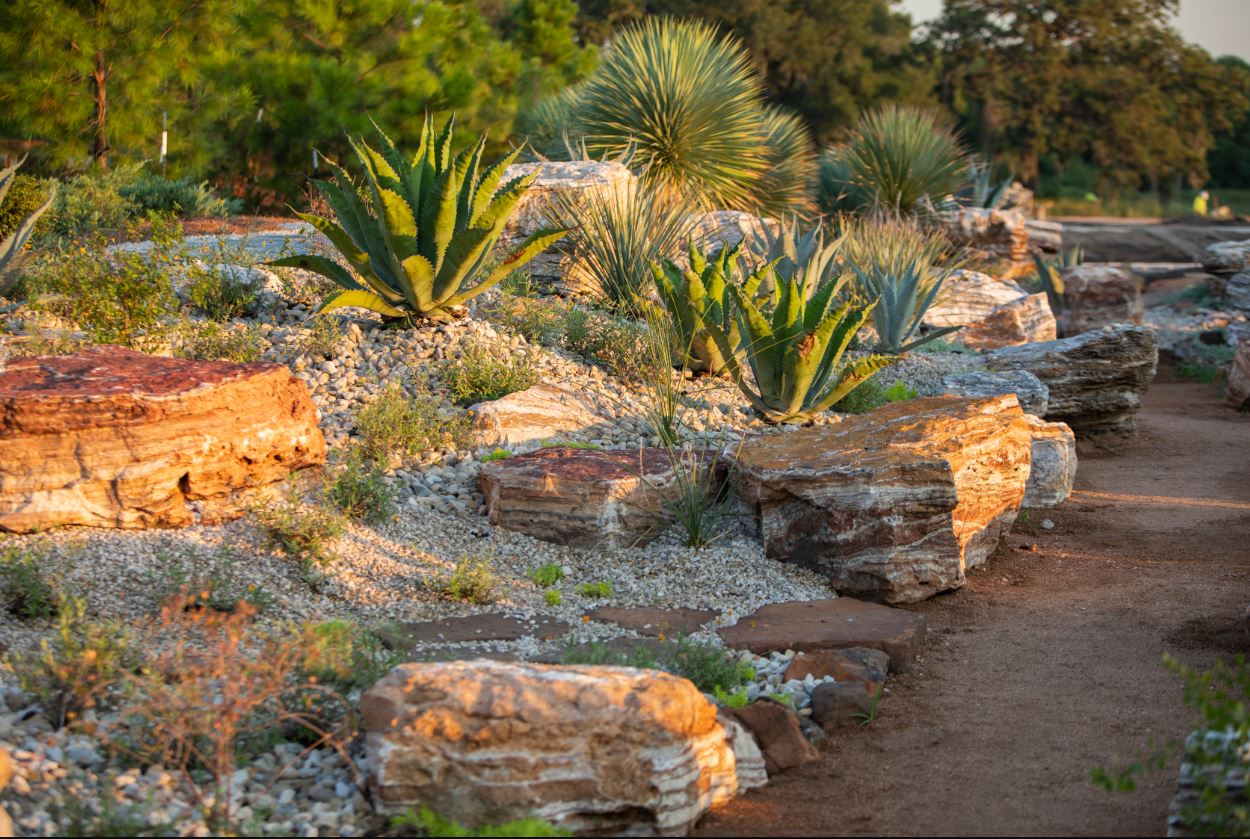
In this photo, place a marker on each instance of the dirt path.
(1048, 662)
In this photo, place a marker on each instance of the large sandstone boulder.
(996, 234)
(583, 497)
(993, 313)
(1239, 378)
(1028, 389)
(603, 750)
(558, 181)
(1096, 379)
(1227, 258)
(1095, 296)
(114, 438)
(537, 413)
(896, 504)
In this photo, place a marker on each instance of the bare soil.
(1048, 662)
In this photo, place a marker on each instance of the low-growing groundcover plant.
(481, 374)
(420, 244)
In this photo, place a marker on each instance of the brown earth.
(1047, 663)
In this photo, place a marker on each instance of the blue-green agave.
(420, 245)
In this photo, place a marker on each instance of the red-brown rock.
(584, 497)
(896, 504)
(654, 621)
(844, 705)
(1239, 378)
(111, 437)
(777, 731)
(856, 664)
(838, 623)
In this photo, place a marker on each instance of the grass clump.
(618, 343)
(712, 669)
(601, 589)
(432, 824)
(345, 655)
(872, 395)
(1208, 364)
(301, 530)
(211, 341)
(223, 293)
(547, 575)
(359, 489)
(553, 597)
(397, 426)
(480, 375)
(323, 336)
(497, 454)
(209, 582)
(473, 580)
(27, 589)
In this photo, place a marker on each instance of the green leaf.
(324, 266)
(361, 299)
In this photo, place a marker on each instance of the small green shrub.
(396, 426)
(360, 490)
(1206, 364)
(547, 575)
(322, 337)
(342, 654)
(150, 192)
(223, 293)
(432, 824)
(540, 320)
(88, 204)
(480, 375)
(211, 341)
(208, 581)
(597, 654)
(301, 530)
(497, 454)
(552, 597)
(560, 444)
(472, 581)
(872, 395)
(618, 343)
(736, 699)
(599, 590)
(26, 195)
(711, 668)
(28, 590)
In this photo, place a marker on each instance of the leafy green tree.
(825, 59)
(1229, 161)
(90, 79)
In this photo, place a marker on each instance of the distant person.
(1200, 203)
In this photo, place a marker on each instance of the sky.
(1222, 27)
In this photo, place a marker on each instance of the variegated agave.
(419, 247)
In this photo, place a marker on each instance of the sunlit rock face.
(111, 437)
(897, 504)
(993, 313)
(604, 750)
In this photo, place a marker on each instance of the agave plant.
(419, 246)
(694, 298)
(897, 262)
(981, 190)
(1050, 274)
(896, 159)
(11, 255)
(803, 254)
(795, 348)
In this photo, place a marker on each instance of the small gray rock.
(1028, 388)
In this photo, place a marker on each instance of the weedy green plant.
(432, 824)
(473, 580)
(896, 159)
(618, 233)
(103, 815)
(28, 589)
(736, 699)
(869, 716)
(208, 581)
(211, 341)
(396, 426)
(18, 230)
(619, 344)
(710, 667)
(540, 320)
(302, 530)
(552, 597)
(223, 293)
(480, 374)
(699, 496)
(88, 204)
(322, 337)
(418, 246)
(1206, 363)
(360, 490)
(898, 263)
(601, 589)
(497, 454)
(74, 669)
(547, 575)
(795, 349)
(1048, 275)
(345, 655)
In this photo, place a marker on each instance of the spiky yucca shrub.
(791, 165)
(898, 263)
(419, 244)
(11, 256)
(694, 298)
(894, 159)
(618, 232)
(795, 348)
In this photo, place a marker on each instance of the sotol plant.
(795, 349)
(419, 246)
(11, 257)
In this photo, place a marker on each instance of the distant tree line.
(248, 88)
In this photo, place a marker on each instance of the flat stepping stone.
(484, 627)
(807, 625)
(654, 621)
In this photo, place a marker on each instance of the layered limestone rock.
(111, 437)
(897, 504)
(1052, 468)
(1237, 292)
(1227, 258)
(996, 234)
(1239, 378)
(1095, 296)
(532, 415)
(1027, 388)
(993, 313)
(1096, 379)
(540, 207)
(585, 497)
(603, 750)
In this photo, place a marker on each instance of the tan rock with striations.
(993, 313)
(1239, 378)
(896, 504)
(1022, 321)
(603, 750)
(1052, 468)
(114, 438)
(968, 296)
(532, 415)
(1095, 296)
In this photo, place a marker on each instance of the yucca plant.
(694, 297)
(688, 101)
(795, 348)
(418, 246)
(791, 165)
(618, 232)
(981, 189)
(896, 159)
(11, 253)
(898, 263)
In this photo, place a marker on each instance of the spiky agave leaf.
(895, 158)
(11, 256)
(690, 104)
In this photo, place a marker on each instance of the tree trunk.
(100, 149)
